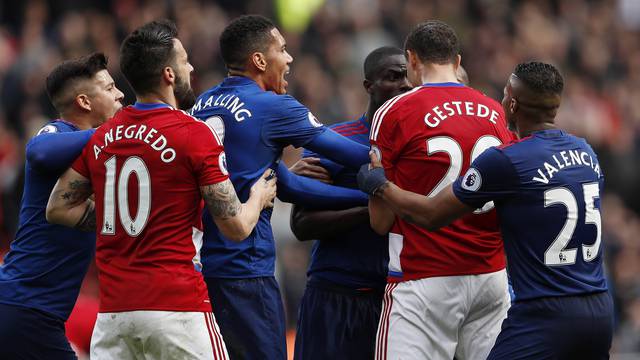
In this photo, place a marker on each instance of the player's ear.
(83, 102)
(367, 85)
(168, 75)
(259, 61)
(513, 105)
(457, 62)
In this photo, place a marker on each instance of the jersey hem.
(27, 306)
(418, 276)
(202, 308)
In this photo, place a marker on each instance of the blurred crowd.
(595, 43)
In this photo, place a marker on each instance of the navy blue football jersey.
(255, 126)
(46, 263)
(358, 258)
(546, 189)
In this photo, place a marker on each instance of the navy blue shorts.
(573, 327)
(337, 323)
(251, 317)
(27, 333)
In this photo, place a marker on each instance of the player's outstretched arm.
(235, 219)
(339, 149)
(429, 213)
(56, 151)
(69, 203)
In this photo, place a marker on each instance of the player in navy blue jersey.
(256, 120)
(546, 188)
(340, 309)
(42, 273)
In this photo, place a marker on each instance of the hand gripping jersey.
(255, 126)
(546, 188)
(147, 165)
(46, 264)
(427, 138)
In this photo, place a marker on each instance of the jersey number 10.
(133, 227)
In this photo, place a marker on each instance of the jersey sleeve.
(386, 139)
(80, 164)
(292, 123)
(490, 177)
(206, 155)
(332, 167)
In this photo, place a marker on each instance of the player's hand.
(371, 176)
(265, 187)
(310, 167)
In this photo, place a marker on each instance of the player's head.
(84, 87)
(251, 45)
(532, 93)
(385, 75)
(152, 58)
(431, 43)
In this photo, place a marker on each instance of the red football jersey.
(146, 166)
(427, 138)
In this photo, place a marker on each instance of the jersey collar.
(68, 123)
(239, 80)
(444, 84)
(150, 106)
(549, 133)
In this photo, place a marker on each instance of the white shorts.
(442, 317)
(157, 335)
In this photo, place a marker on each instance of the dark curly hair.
(540, 77)
(65, 76)
(244, 36)
(373, 61)
(145, 52)
(433, 41)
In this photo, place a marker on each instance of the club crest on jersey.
(313, 120)
(222, 162)
(471, 180)
(47, 129)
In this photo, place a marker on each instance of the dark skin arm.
(322, 224)
(429, 213)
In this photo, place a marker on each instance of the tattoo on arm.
(76, 192)
(88, 220)
(222, 200)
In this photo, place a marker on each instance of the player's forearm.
(340, 149)
(81, 216)
(381, 218)
(325, 224)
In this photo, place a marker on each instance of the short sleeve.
(491, 177)
(206, 155)
(386, 138)
(80, 163)
(292, 123)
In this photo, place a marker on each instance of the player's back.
(551, 223)
(255, 125)
(46, 264)
(146, 166)
(428, 138)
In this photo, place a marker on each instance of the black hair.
(540, 77)
(146, 52)
(244, 36)
(66, 75)
(433, 41)
(374, 60)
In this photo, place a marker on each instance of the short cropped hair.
(146, 52)
(64, 77)
(244, 36)
(540, 77)
(433, 41)
(374, 60)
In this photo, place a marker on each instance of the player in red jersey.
(150, 167)
(447, 290)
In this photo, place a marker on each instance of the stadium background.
(595, 43)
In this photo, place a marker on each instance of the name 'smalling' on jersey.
(227, 101)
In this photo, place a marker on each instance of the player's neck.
(436, 73)
(166, 97)
(527, 129)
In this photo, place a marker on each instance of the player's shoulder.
(56, 126)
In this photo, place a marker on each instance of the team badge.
(47, 129)
(471, 180)
(222, 162)
(314, 121)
